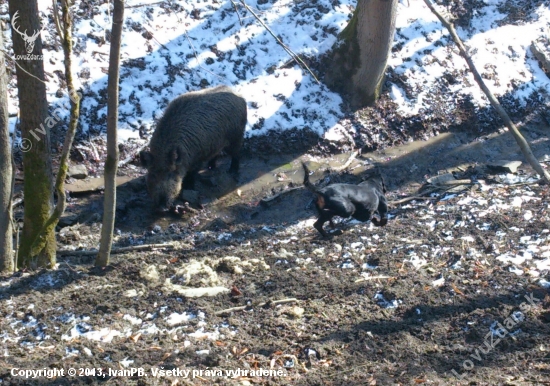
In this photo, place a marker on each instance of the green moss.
(350, 32)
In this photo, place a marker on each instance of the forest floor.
(454, 290)
(455, 286)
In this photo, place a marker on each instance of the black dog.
(347, 200)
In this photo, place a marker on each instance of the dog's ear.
(383, 185)
(378, 175)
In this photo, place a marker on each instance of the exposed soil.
(414, 324)
(416, 302)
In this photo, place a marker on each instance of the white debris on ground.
(188, 52)
(466, 218)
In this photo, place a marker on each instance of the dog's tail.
(307, 183)
(320, 201)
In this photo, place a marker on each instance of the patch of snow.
(382, 302)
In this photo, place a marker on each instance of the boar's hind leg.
(234, 168)
(234, 152)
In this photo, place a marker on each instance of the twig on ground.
(454, 182)
(132, 155)
(271, 199)
(271, 303)
(411, 198)
(373, 278)
(422, 196)
(100, 53)
(348, 162)
(117, 250)
(142, 5)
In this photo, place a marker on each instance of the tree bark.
(65, 35)
(356, 66)
(111, 164)
(35, 135)
(6, 191)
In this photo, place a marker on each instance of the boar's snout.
(164, 190)
(163, 179)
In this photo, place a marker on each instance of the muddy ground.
(454, 290)
(415, 302)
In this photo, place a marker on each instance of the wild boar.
(195, 127)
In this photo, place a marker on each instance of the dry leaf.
(235, 291)
(243, 351)
(455, 288)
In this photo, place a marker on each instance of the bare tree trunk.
(356, 66)
(522, 143)
(33, 107)
(109, 203)
(6, 230)
(64, 30)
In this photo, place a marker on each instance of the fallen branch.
(270, 302)
(411, 198)
(454, 182)
(143, 5)
(523, 145)
(131, 157)
(298, 60)
(423, 196)
(271, 199)
(134, 248)
(373, 278)
(348, 162)
(100, 53)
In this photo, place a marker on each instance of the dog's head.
(375, 178)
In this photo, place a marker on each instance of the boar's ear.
(146, 158)
(176, 156)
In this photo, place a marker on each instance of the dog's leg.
(324, 216)
(319, 226)
(383, 212)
